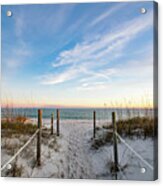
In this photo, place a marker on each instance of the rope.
(20, 150)
(131, 149)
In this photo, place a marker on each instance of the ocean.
(78, 113)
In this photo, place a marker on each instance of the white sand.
(76, 159)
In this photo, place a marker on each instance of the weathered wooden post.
(58, 116)
(39, 137)
(52, 119)
(94, 124)
(115, 142)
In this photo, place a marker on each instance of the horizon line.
(77, 107)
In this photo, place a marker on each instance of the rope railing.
(132, 150)
(115, 142)
(20, 150)
(38, 134)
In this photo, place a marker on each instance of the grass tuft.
(9, 128)
(136, 126)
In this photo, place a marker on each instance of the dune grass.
(136, 126)
(9, 128)
(133, 128)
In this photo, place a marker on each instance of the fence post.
(58, 116)
(39, 137)
(94, 124)
(52, 119)
(115, 142)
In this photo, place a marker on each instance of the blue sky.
(77, 54)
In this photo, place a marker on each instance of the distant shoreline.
(91, 108)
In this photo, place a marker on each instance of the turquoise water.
(78, 113)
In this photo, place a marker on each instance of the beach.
(72, 154)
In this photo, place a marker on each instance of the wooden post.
(52, 119)
(94, 124)
(115, 142)
(39, 137)
(58, 116)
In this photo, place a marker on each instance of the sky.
(77, 55)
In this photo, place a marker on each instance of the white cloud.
(60, 78)
(91, 86)
(107, 14)
(92, 56)
(96, 76)
(111, 42)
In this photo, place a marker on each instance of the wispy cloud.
(60, 78)
(93, 86)
(105, 44)
(106, 14)
(97, 54)
(87, 54)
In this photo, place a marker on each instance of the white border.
(59, 182)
